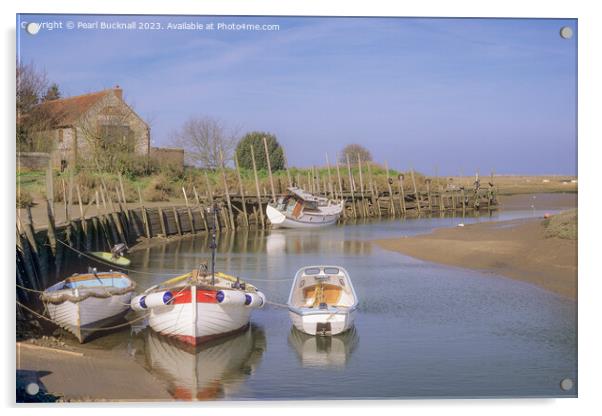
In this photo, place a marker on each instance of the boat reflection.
(314, 351)
(212, 372)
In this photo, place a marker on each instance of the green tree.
(52, 93)
(255, 139)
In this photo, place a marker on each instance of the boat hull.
(197, 322)
(83, 318)
(281, 220)
(322, 323)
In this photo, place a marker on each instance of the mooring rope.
(81, 253)
(153, 274)
(28, 289)
(267, 280)
(279, 305)
(87, 329)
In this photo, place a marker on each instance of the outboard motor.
(118, 250)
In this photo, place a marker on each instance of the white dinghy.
(322, 300)
(300, 209)
(83, 303)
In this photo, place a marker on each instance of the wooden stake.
(209, 188)
(223, 169)
(402, 198)
(351, 186)
(428, 193)
(374, 195)
(201, 209)
(190, 217)
(51, 227)
(363, 200)
(288, 174)
(242, 190)
(65, 201)
(341, 189)
(257, 188)
(82, 216)
(267, 156)
(50, 187)
(162, 222)
(145, 219)
(390, 189)
(416, 196)
(177, 219)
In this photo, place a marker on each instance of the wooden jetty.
(40, 247)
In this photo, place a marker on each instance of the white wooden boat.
(84, 302)
(322, 300)
(322, 352)
(211, 372)
(300, 209)
(198, 307)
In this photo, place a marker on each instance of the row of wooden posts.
(39, 246)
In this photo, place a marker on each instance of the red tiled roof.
(68, 110)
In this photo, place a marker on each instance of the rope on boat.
(127, 323)
(97, 259)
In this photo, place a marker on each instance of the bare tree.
(353, 150)
(33, 121)
(110, 142)
(202, 138)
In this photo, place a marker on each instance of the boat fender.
(230, 297)
(254, 300)
(142, 302)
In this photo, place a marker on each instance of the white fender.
(142, 302)
(230, 297)
(254, 300)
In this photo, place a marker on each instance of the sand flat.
(517, 249)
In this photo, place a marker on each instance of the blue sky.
(460, 95)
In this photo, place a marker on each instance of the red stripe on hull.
(189, 340)
(202, 296)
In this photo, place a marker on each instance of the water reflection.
(323, 351)
(215, 371)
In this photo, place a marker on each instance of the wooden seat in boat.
(322, 293)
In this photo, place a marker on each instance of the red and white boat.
(199, 306)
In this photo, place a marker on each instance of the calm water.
(422, 329)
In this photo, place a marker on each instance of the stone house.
(91, 119)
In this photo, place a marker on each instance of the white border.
(590, 36)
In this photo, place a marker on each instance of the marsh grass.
(563, 225)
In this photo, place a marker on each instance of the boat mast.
(213, 244)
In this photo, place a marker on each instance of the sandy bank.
(551, 201)
(518, 249)
(86, 374)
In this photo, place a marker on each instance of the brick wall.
(32, 160)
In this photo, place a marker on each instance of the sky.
(447, 96)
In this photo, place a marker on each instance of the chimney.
(118, 92)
